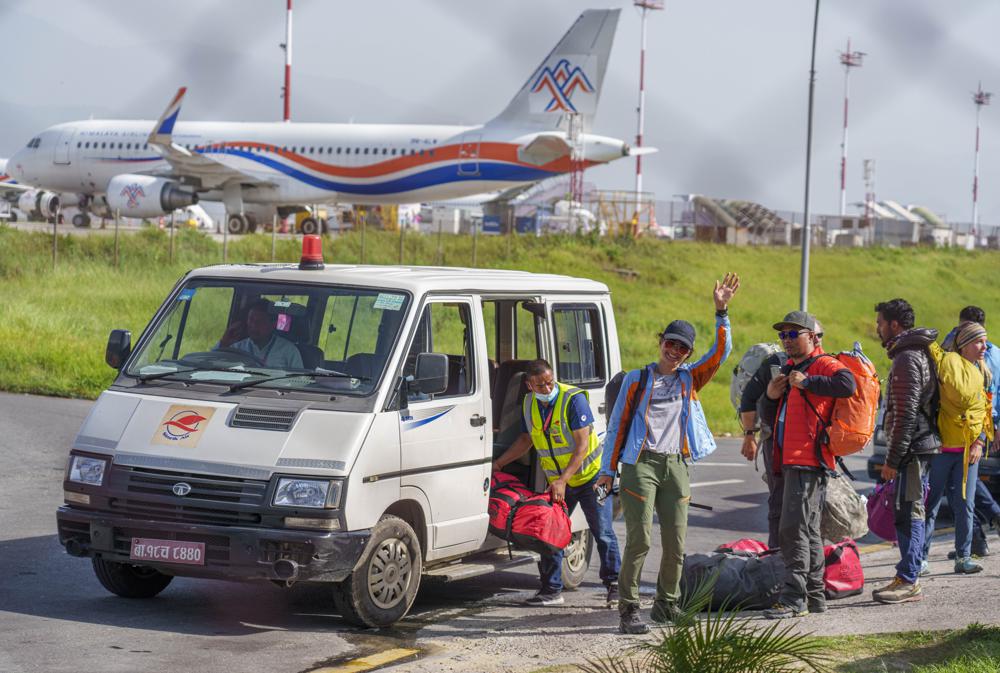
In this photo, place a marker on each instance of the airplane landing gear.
(237, 224)
(81, 220)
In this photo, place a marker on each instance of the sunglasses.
(791, 334)
(677, 346)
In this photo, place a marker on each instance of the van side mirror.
(431, 375)
(118, 348)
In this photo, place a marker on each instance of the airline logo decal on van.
(183, 426)
(410, 423)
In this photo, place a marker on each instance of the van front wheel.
(384, 584)
(130, 581)
(576, 559)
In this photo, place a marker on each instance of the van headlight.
(317, 493)
(87, 470)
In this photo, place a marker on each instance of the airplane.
(36, 203)
(147, 169)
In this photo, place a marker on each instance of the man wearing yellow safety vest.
(557, 421)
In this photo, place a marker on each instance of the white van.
(349, 440)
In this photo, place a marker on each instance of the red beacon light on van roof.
(312, 253)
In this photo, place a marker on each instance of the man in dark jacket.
(756, 413)
(910, 426)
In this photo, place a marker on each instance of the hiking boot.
(899, 591)
(664, 612)
(925, 568)
(612, 597)
(980, 547)
(967, 566)
(815, 606)
(782, 611)
(545, 598)
(631, 623)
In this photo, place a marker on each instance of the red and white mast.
(286, 91)
(980, 98)
(645, 6)
(849, 59)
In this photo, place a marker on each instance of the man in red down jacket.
(809, 383)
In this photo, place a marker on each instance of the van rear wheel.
(384, 584)
(576, 559)
(130, 581)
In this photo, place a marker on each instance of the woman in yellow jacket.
(966, 424)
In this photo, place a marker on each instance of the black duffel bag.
(745, 580)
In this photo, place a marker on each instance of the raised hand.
(724, 291)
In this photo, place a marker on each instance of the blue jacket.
(698, 440)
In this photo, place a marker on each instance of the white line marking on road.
(746, 462)
(718, 483)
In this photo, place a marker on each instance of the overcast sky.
(727, 81)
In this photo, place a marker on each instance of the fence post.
(55, 245)
(225, 238)
(118, 217)
(364, 230)
(475, 242)
(402, 232)
(440, 250)
(173, 228)
(274, 233)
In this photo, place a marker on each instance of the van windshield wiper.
(332, 375)
(162, 375)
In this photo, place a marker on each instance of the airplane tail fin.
(569, 79)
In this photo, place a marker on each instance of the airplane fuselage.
(302, 162)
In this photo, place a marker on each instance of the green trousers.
(658, 484)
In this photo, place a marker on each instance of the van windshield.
(328, 339)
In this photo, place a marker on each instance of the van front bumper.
(231, 552)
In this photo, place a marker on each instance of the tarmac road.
(54, 616)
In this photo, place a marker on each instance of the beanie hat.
(967, 332)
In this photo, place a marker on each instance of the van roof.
(416, 279)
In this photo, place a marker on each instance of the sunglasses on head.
(792, 333)
(677, 346)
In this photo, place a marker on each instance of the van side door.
(446, 439)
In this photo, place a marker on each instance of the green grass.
(974, 649)
(54, 323)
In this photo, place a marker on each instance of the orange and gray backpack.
(852, 422)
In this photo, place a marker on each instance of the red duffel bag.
(744, 544)
(843, 575)
(505, 492)
(539, 525)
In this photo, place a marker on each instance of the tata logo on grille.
(183, 426)
(132, 192)
(181, 489)
(555, 87)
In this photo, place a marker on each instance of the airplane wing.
(209, 172)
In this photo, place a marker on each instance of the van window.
(445, 327)
(526, 344)
(350, 326)
(579, 345)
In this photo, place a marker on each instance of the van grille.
(224, 501)
(263, 419)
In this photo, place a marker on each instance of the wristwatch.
(750, 433)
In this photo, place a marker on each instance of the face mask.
(541, 397)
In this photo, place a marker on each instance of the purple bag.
(881, 519)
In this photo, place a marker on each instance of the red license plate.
(167, 551)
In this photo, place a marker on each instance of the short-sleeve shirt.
(577, 413)
(664, 416)
(279, 352)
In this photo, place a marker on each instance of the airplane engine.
(147, 196)
(38, 203)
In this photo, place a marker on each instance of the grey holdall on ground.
(845, 512)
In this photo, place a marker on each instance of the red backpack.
(843, 575)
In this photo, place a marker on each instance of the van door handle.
(477, 420)
(602, 408)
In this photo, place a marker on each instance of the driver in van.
(256, 336)
(557, 422)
